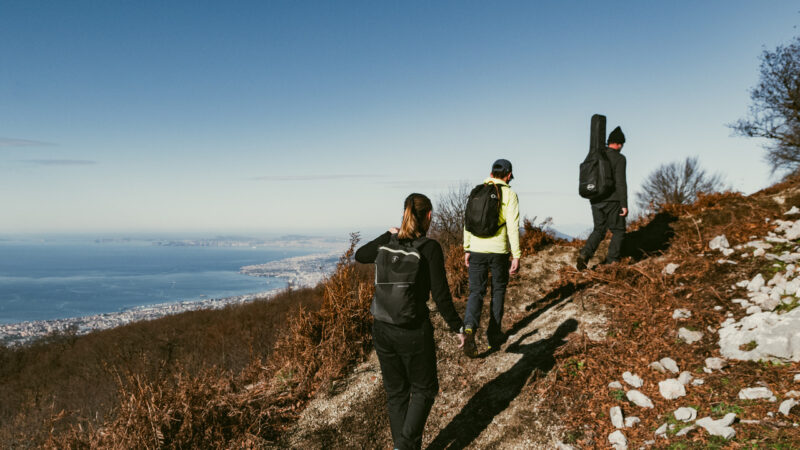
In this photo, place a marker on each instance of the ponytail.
(415, 217)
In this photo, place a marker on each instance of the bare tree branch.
(448, 215)
(775, 110)
(677, 182)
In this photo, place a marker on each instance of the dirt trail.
(488, 402)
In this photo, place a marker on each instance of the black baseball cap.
(502, 164)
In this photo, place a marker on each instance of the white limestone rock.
(616, 417)
(617, 440)
(716, 363)
(775, 335)
(657, 366)
(759, 244)
(681, 313)
(718, 243)
(797, 377)
(741, 302)
(786, 406)
(793, 210)
(792, 394)
(685, 377)
(639, 399)
(669, 364)
(719, 427)
(662, 431)
(698, 382)
(685, 414)
(770, 304)
(689, 336)
(615, 385)
(631, 421)
(633, 380)
(753, 310)
(792, 287)
(756, 283)
(793, 233)
(755, 393)
(759, 252)
(685, 431)
(670, 268)
(671, 389)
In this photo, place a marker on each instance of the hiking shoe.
(580, 264)
(469, 344)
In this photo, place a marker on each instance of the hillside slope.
(486, 402)
(572, 334)
(622, 355)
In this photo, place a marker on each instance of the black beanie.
(616, 136)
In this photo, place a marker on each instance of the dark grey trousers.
(606, 217)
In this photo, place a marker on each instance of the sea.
(67, 278)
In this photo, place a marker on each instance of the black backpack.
(482, 215)
(396, 269)
(596, 177)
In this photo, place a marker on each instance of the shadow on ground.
(652, 238)
(496, 395)
(545, 303)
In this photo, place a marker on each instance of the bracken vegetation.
(66, 382)
(638, 300)
(240, 377)
(211, 379)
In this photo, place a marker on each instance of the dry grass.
(247, 406)
(639, 300)
(77, 378)
(536, 237)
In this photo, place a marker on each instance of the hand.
(461, 339)
(624, 212)
(394, 230)
(514, 266)
(466, 259)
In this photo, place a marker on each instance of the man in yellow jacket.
(500, 254)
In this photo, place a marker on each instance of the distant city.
(298, 272)
(233, 241)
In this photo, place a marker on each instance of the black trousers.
(606, 217)
(408, 365)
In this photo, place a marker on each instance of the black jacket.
(432, 278)
(620, 192)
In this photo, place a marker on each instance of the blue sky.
(320, 117)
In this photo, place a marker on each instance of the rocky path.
(488, 402)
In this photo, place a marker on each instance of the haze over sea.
(65, 278)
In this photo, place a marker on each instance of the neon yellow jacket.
(508, 235)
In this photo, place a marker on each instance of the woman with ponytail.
(403, 337)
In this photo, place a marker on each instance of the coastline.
(298, 272)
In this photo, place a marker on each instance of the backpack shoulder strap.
(419, 242)
(499, 190)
